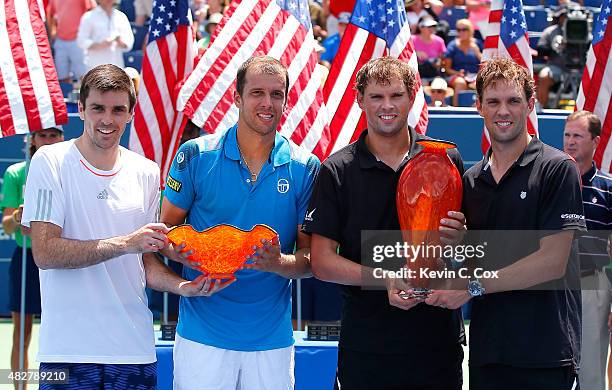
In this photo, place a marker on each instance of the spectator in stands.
(64, 17)
(417, 9)
(462, 59)
(550, 47)
(105, 34)
(332, 43)
(580, 139)
(134, 76)
(429, 48)
(143, 10)
(11, 205)
(319, 19)
(92, 206)
(478, 14)
(438, 91)
(386, 341)
(210, 28)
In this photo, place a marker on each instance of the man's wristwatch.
(475, 288)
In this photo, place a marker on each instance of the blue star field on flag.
(383, 18)
(166, 16)
(602, 22)
(513, 24)
(299, 9)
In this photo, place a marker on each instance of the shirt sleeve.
(179, 183)
(153, 208)
(10, 189)
(44, 196)
(323, 215)
(561, 200)
(84, 35)
(312, 168)
(125, 31)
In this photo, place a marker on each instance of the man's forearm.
(547, 264)
(296, 266)
(159, 276)
(66, 253)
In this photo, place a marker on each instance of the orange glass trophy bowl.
(222, 249)
(429, 187)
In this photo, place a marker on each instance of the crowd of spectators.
(85, 34)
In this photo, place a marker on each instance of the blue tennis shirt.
(209, 179)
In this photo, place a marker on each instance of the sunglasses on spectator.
(438, 91)
(463, 29)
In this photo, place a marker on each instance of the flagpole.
(24, 256)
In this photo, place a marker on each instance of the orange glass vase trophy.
(429, 187)
(222, 249)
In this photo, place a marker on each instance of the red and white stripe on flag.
(30, 95)
(168, 59)
(280, 29)
(507, 37)
(377, 28)
(596, 88)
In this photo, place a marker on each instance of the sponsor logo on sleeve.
(572, 218)
(174, 184)
(308, 216)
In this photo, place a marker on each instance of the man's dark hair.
(106, 78)
(592, 120)
(498, 69)
(383, 69)
(262, 64)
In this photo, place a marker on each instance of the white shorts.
(202, 367)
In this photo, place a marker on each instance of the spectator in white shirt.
(105, 34)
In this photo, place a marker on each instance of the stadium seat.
(551, 3)
(452, 14)
(140, 33)
(66, 89)
(532, 3)
(537, 19)
(467, 98)
(134, 59)
(127, 7)
(592, 3)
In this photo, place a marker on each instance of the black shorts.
(367, 371)
(502, 377)
(32, 290)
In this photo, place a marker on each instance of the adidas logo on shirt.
(103, 194)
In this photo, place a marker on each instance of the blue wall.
(461, 126)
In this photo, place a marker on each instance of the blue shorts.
(32, 298)
(69, 59)
(94, 376)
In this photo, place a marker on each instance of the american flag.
(507, 37)
(168, 59)
(278, 28)
(377, 28)
(30, 95)
(595, 91)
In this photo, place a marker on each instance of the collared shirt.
(355, 192)
(597, 202)
(209, 179)
(537, 196)
(96, 26)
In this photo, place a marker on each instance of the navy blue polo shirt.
(538, 195)
(209, 179)
(597, 202)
